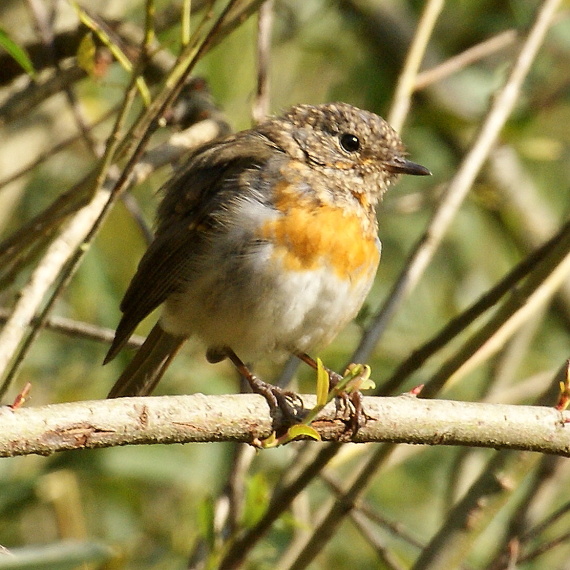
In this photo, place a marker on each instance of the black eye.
(349, 142)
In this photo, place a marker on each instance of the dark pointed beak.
(403, 166)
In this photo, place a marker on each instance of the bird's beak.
(403, 166)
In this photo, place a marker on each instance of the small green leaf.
(368, 384)
(270, 441)
(86, 53)
(323, 383)
(299, 430)
(18, 53)
(115, 49)
(356, 377)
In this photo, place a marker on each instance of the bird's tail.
(142, 374)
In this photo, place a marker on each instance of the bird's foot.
(288, 403)
(346, 390)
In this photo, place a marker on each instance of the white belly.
(258, 309)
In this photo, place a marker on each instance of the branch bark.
(245, 418)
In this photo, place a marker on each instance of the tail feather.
(142, 374)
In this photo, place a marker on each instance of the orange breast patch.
(309, 234)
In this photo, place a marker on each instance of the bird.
(266, 244)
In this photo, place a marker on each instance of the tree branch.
(244, 417)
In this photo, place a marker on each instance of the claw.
(289, 403)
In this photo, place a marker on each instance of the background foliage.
(159, 507)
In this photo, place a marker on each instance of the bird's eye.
(349, 142)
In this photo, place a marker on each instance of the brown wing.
(191, 197)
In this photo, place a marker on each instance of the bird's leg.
(352, 402)
(334, 377)
(277, 398)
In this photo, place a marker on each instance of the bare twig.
(78, 329)
(407, 79)
(302, 471)
(394, 528)
(533, 220)
(545, 547)
(49, 83)
(43, 225)
(536, 530)
(465, 58)
(43, 22)
(385, 557)
(42, 157)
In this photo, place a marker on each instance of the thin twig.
(55, 149)
(45, 223)
(407, 79)
(44, 26)
(465, 58)
(335, 510)
(554, 517)
(385, 557)
(540, 478)
(302, 473)
(545, 547)
(471, 55)
(78, 329)
(394, 528)
(49, 83)
(528, 217)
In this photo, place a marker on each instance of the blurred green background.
(150, 504)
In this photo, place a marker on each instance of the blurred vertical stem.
(407, 79)
(150, 12)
